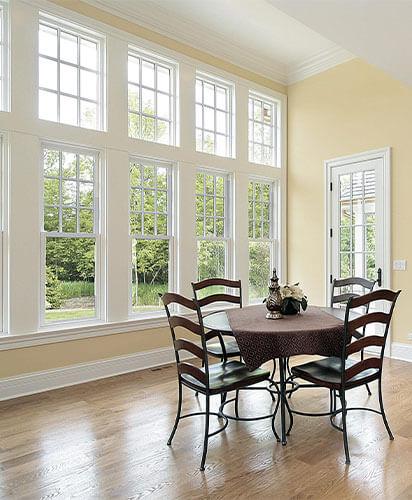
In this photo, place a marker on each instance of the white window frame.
(171, 210)
(93, 36)
(230, 118)
(275, 133)
(5, 56)
(227, 238)
(3, 232)
(172, 66)
(274, 212)
(97, 236)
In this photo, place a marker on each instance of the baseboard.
(401, 351)
(32, 383)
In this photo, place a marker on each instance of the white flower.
(291, 291)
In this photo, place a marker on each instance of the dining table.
(316, 331)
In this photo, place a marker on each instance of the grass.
(73, 289)
(69, 314)
(147, 295)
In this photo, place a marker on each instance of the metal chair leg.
(196, 393)
(179, 410)
(385, 421)
(367, 386)
(345, 433)
(237, 404)
(206, 438)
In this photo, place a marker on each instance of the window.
(4, 56)
(70, 74)
(212, 229)
(151, 99)
(150, 232)
(213, 116)
(261, 237)
(262, 130)
(70, 234)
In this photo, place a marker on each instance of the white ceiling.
(253, 34)
(379, 31)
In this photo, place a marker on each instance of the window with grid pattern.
(4, 57)
(213, 116)
(150, 232)
(260, 203)
(262, 130)
(151, 99)
(70, 74)
(212, 224)
(70, 233)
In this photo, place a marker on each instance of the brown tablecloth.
(260, 339)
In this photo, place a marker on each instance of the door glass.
(357, 232)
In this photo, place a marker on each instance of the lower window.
(259, 269)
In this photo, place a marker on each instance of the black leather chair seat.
(227, 376)
(215, 349)
(327, 372)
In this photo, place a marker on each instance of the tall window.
(151, 93)
(70, 74)
(261, 237)
(212, 229)
(213, 116)
(70, 234)
(150, 232)
(262, 130)
(4, 55)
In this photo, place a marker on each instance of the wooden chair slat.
(186, 323)
(362, 366)
(354, 280)
(367, 319)
(344, 297)
(216, 282)
(186, 345)
(192, 370)
(169, 298)
(219, 297)
(382, 294)
(358, 345)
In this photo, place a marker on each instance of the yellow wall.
(348, 109)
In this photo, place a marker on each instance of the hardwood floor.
(107, 439)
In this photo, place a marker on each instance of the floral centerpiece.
(293, 298)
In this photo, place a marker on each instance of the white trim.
(401, 351)
(33, 383)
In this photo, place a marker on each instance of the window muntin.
(4, 56)
(150, 233)
(70, 234)
(213, 116)
(212, 229)
(261, 237)
(262, 130)
(151, 98)
(70, 74)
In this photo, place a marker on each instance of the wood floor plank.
(107, 439)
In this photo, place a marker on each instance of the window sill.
(62, 333)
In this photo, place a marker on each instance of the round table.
(317, 331)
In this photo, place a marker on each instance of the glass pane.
(133, 69)
(221, 145)
(86, 221)
(199, 116)
(148, 99)
(268, 135)
(68, 79)
(68, 110)
(134, 126)
(149, 201)
(257, 110)
(51, 163)
(88, 54)
(88, 114)
(69, 190)
(209, 119)
(259, 270)
(68, 165)
(88, 85)
(199, 206)
(267, 155)
(211, 259)
(149, 176)
(148, 128)
(70, 278)
(162, 201)
(345, 270)
(208, 143)
(199, 91)
(370, 239)
(86, 167)
(221, 122)
(345, 243)
(344, 181)
(161, 178)
(163, 132)
(208, 94)
(86, 194)
(220, 207)
(209, 206)
(149, 224)
(47, 41)
(47, 74)
(162, 224)
(150, 274)
(47, 105)
(51, 192)
(257, 153)
(221, 101)
(135, 223)
(148, 74)
(200, 183)
(267, 113)
(51, 219)
(163, 79)
(258, 133)
(136, 200)
(163, 106)
(220, 186)
(69, 220)
(68, 47)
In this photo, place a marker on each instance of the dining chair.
(342, 297)
(211, 379)
(340, 374)
(229, 348)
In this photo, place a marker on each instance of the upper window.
(213, 116)
(70, 74)
(4, 56)
(151, 93)
(262, 130)
(212, 224)
(70, 234)
(150, 233)
(261, 237)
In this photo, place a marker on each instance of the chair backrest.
(362, 321)
(217, 297)
(342, 298)
(181, 344)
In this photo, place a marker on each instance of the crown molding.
(317, 64)
(197, 36)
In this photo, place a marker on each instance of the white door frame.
(383, 154)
